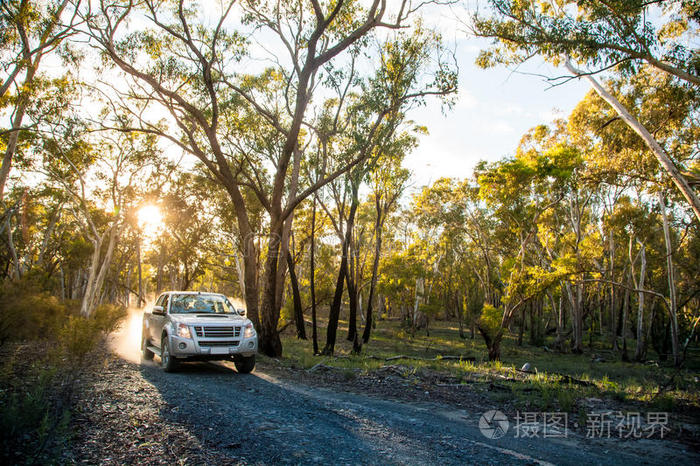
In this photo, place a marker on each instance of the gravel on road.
(209, 414)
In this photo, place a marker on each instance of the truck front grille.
(208, 343)
(217, 332)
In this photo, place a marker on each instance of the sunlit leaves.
(599, 34)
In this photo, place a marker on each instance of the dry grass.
(601, 371)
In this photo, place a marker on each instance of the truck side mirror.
(158, 310)
(241, 312)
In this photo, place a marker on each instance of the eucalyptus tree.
(604, 35)
(246, 128)
(507, 188)
(30, 30)
(101, 177)
(617, 157)
(388, 181)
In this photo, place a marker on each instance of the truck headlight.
(249, 331)
(183, 331)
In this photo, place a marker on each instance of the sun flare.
(150, 220)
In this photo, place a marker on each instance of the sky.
(494, 109)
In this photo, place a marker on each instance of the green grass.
(620, 382)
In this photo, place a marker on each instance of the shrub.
(567, 399)
(33, 420)
(490, 320)
(28, 313)
(79, 336)
(37, 384)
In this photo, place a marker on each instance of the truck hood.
(209, 320)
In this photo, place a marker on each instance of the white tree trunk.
(98, 270)
(658, 151)
(641, 344)
(671, 284)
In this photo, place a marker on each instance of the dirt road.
(259, 418)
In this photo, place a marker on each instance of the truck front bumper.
(192, 348)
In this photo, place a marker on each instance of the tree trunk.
(352, 295)
(460, 316)
(613, 320)
(493, 343)
(661, 155)
(98, 270)
(270, 343)
(298, 311)
(312, 278)
(334, 313)
(16, 271)
(673, 311)
(159, 273)
(375, 269)
(521, 330)
(640, 350)
(575, 302)
(11, 146)
(625, 316)
(140, 301)
(353, 335)
(250, 272)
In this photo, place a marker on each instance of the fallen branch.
(436, 358)
(571, 380)
(320, 366)
(563, 378)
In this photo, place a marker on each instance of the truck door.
(159, 321)
(148, 321)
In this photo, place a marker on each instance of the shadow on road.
(249, 417)
(256, 418)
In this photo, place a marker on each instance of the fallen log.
(320, 366)
(571, 380)
(436, 358)
(563, 378)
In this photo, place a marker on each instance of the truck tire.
(145, 352)
(245, 365)
(167, 361)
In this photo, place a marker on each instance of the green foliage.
(432, 309)
(665, 403)
(599, 34)
(490, 320)
(79, 336)
(33, 423)
(46, 345)
(29, 313)
(566, 399)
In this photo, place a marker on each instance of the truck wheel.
(167, 361)
(145, 352)
(245, 365)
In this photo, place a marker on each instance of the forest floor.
(366, 410)
(572, 383)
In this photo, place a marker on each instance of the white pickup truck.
(194, 326)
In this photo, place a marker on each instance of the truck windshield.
(200, 304)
